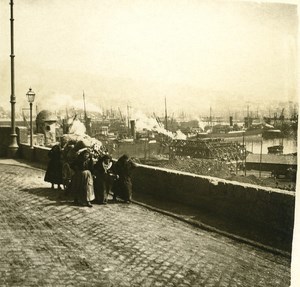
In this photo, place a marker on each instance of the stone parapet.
(259, 213)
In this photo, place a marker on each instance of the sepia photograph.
(149, 143)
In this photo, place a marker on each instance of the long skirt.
(67, 174)
(54, 172)
(82, 186)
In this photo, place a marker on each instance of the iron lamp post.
(30, 97)
(13, 146)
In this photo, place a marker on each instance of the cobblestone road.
(47, 241)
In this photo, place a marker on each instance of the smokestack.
(132, 129)
(231, 121)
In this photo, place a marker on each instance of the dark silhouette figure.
(54, 168)
(103, 179)
(122, 187)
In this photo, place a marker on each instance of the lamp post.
(13, 146)
(30, 97)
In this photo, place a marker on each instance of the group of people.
(88, 176)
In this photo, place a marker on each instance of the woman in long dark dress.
(54, 168)
(122, 187)
(103, 179)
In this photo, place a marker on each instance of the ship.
(272, 134)
(276, 149)
(231, 134)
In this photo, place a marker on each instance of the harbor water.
(257, 144)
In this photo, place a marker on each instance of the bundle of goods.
(73, 144)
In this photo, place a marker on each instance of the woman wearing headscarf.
(54, 168)
(122, 187)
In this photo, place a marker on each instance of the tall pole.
(13, 147)
(85, 116)
(245, 154)
(166, 114)
(128, 124)
(31, 129)
(260, 156)
(248, 119)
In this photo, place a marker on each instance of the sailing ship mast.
(166, 115)
(85, 116)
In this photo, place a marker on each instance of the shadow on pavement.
(59, 196)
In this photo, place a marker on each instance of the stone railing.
(260, 212)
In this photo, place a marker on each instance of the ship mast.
(210, 118)
(166, 114)
(128, 116)
(248, 117)
(85, 114)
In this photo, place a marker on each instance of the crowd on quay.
(89, 174)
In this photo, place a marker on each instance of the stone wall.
(37, 154)
(23, 138)
(4, 140)
(262, 213)
(256, 211)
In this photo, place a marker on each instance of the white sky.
(244, 50)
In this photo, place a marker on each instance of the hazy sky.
(196, 53)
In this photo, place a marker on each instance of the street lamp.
(13, 146)
(30, 97)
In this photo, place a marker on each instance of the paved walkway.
(47, 241)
